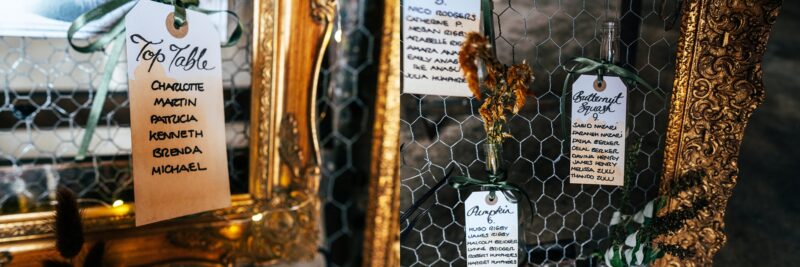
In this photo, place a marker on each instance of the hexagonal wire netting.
(47, 90)
(345, 99)
(571, 221)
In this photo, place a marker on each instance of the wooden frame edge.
(381, 237)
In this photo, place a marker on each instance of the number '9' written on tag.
(151, 52)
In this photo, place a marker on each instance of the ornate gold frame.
(718, 85)
(278, 220)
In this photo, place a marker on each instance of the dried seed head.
(466, 59)
(519, 76)
(506, 87)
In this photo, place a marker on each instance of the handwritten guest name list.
(432, 35)
(177, 116)
(492, 230)
(597, 149)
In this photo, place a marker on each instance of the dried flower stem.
(504, 87)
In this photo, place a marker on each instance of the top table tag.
(597, 149)
(177, 117)
(432, 35)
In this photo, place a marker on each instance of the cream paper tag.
(177, 117)
(433, 31)
(492, 227)
(597, 149)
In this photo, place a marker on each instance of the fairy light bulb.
(338, 36)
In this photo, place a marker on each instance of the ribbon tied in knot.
(584, 65)
(113, 37)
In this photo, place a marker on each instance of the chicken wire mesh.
(47, 90)
(345, 99)
(571, 221)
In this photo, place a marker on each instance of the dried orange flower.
(504, 87)
(467, 58)
(519, 76)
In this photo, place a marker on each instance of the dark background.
(763, 213)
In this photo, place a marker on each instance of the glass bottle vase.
(494, 159)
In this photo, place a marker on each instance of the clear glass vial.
(609, 44)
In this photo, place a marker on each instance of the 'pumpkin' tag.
(492, 227)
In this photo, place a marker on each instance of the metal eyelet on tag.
(599, 85)
(176, 32)
(491, 199)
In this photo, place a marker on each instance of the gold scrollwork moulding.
(718, 85)
(278, 220)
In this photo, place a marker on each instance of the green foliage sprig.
(632, 235)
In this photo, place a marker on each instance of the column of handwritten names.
(595, 150)
(432, 41)
(174, 133)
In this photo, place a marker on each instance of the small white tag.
(177, 116)
(492, 230)
(597, 149)
(432, 35)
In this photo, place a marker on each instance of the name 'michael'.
(178, 168)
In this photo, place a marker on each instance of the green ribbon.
(584, 65)
(487, 15)
(113, 37)
(179, 14)
(459, 182)
(493, 184)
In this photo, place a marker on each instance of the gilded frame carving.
(718, 85)
(278, 220)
